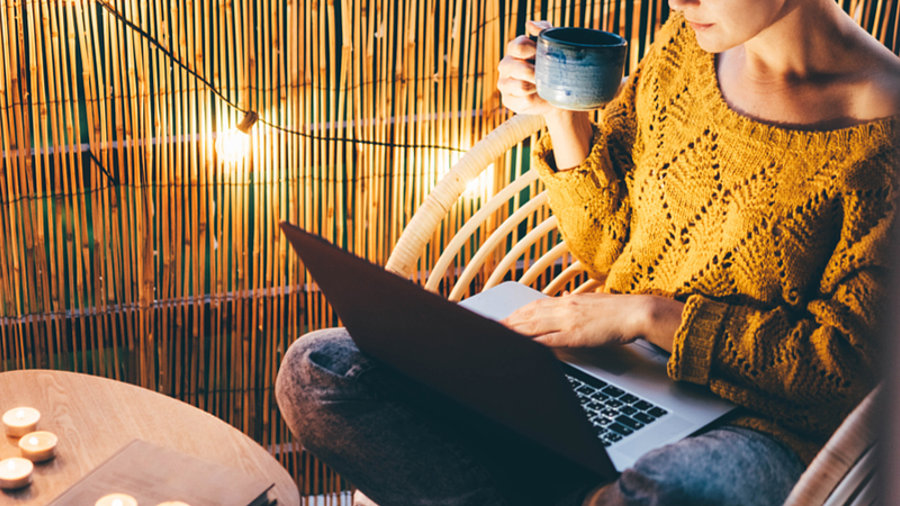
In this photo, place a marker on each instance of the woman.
(745, 176)
(736, 197)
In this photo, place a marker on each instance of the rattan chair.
(840, 474)
(844, 470)
(496, 251)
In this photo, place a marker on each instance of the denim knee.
(318, 368)
(729, 465)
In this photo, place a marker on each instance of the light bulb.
(233, 145)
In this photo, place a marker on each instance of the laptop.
(591, 413)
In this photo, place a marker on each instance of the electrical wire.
(158, 45)
(113, 179)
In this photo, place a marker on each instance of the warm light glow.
(116, 499)
(11, 464)
(478, 187)
(232, 146)
(33, 440)
(20, 413)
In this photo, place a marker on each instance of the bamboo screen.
(130, 249)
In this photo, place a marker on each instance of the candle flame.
(117, 502)
(20, 413)
(33, 440)
(11, 464)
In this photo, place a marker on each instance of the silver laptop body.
(638, 368)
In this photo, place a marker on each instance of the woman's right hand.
(516, 82)
(571, 130)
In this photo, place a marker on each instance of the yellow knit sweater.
(775, 238)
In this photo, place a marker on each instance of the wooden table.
(94, 417)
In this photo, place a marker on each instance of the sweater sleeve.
(806, 366)
(591, 201)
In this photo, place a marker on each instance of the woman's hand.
(589, 320)
(571, 130)
(516, 82)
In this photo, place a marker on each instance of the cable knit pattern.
(775, 238)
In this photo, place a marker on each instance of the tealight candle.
(20, 421)
(15, 473)
(116, 500)
(38, 446)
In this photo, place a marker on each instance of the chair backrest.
(843, 472)
(522, 244)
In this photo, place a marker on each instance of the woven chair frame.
(407, 254)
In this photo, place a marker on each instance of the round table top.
(95, 417)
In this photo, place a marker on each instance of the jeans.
(346, 409)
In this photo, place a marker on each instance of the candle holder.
(15, 473)
(116, 499)
(20, 421)
(38, 446)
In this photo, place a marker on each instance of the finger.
(521, 326)
(528, 311)
(516, 68)
(535, 326)
(519, 69)
(516, 87)
(519, 319)
(536, 27)
(521, 47)
(528, 104)
(516, 318)
(555, 340)
(515, 321)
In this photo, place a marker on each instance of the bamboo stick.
(14, 166)
(9, 297)
(59, 179)
(43, 186)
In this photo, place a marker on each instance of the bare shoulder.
(880, 93)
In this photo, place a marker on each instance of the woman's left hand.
(588, 320)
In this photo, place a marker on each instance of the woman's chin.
(710, 44)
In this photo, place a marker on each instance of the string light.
(227, 151)
(171, 56)
(233, 145)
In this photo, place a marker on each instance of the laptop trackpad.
(615, 360)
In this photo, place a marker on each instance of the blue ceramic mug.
(579, 68)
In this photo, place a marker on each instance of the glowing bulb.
(233, 145)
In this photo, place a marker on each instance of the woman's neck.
(808, 42)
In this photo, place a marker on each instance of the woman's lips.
(699, 26)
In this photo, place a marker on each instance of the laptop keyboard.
(614, 412)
